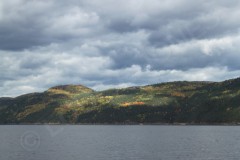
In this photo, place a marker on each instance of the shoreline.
(125, 124)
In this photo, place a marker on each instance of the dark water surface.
(119, 142)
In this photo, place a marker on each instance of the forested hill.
(173, 102)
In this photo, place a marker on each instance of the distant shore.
(160, 124)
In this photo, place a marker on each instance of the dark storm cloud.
(196, 30)
(121, 26)
(124, 55)
(18, 28)
(25, 24)
(111, 43)
(180, 22)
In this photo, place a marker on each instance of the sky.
(106, 44)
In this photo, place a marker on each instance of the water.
(116, 142)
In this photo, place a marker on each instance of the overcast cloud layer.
(108, 43)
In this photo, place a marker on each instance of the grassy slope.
(183, 102)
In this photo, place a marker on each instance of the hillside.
(173, 102)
